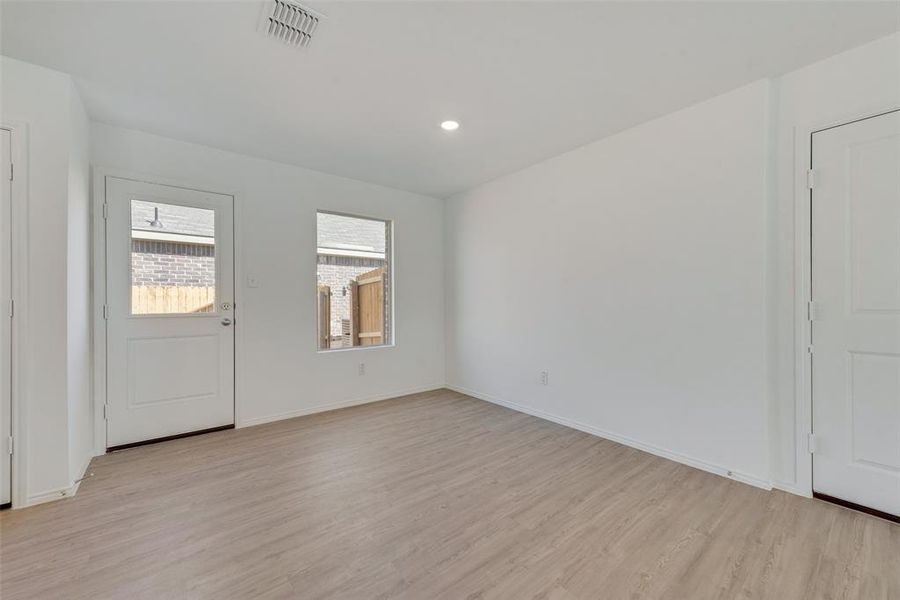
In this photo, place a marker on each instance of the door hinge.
(12, 308)
(106, 311)
(811, 178)
(10, 445)
(812, 443)
(105, 211)
(106, 412)
(812, 310)
(810, 348)
(12, 171)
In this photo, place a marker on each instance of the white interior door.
(856, 334)
(170, 331)
(5, 321)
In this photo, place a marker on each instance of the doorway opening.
(854, 314)
(169, 312)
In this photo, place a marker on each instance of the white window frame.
(389, 257)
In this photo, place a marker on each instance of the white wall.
(280, 373)
(44, 104)
(678, 332)
(857, 83)
(633, 270)
(78, 259)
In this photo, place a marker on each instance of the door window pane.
(354, 281)
(173, 259)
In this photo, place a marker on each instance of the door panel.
(874, 215)
(170, 331)
(856, 338)
(166, 369)
(874, 411)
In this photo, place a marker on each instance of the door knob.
(226, 322)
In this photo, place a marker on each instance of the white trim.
(325, 407)
(237, 223)
(48, 496)
(803, 400)
(770, 266)
(790, 488)
(7, 314)
(389, 256)
(355, 348)
(98, 295)
(802, 371)
(621, 439)
(99, 286)
(20, 368)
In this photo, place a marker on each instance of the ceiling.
(526, 80)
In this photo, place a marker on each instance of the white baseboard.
(48, 496)
(791, 488)
(59, 493)
(310, 410)
(655, 450)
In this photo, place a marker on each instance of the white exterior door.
(5, 321)
(856, 334)
(170, 319)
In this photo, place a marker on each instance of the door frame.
(98, 235)
(803, 393)
(19, 323)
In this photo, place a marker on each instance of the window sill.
(356, 348)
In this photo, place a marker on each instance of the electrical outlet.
(362, 368)
(252, 282)
(545, 378)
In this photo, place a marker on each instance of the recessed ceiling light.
(449, 125)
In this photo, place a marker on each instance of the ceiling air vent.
(289, 22)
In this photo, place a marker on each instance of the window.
(173, 259)
(353, 281)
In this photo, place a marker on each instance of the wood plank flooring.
(435, 495)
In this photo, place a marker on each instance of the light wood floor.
(432, 496)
